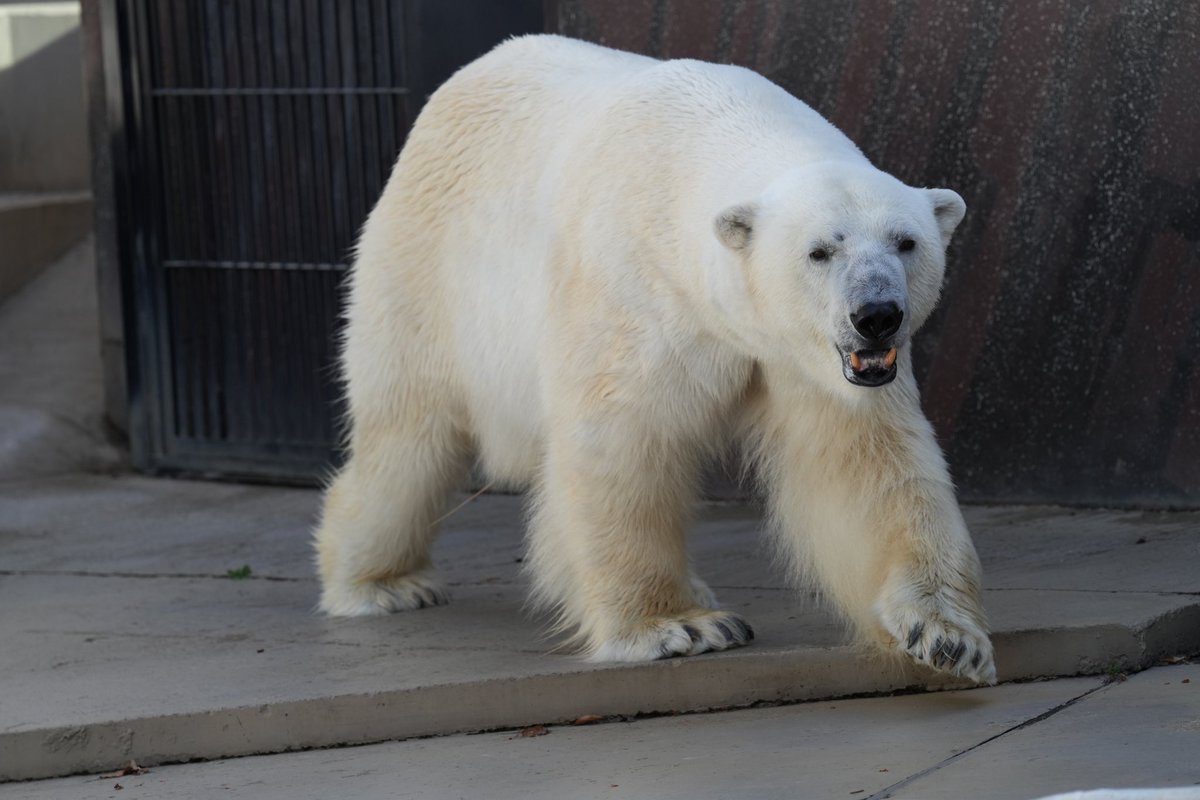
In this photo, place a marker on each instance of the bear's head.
(834, 267)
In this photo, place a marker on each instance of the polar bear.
(592, 271)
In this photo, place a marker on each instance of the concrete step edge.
(19, 200)
(729, 680)
(37, 228)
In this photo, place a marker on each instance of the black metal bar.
(331, 139)
(321, 204)
(162, 175)
(288, 34)
(292, 283)
(368, 105)
(256, 226)
(384, 76)
(342, 39)
(181, 176)
(216, 204)
(144, 209)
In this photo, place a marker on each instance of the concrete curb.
(736, 679)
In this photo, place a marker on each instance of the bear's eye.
(819, 254)
(906, 245)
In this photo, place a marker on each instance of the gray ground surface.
(1012, 741)
(124, 637)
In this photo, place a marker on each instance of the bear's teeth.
(855, 362)
(891, 358)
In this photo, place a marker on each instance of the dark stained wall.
(1064, 362)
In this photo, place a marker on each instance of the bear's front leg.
(607, 546)
(862, 496)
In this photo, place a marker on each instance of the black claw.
(749, 630)
(958, 652)
(739, 627)
(915, 634)
(937, 647)
(724, 629)
(665, 650)
(692, 632)
(975, 661)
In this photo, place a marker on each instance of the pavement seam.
(1090, 591)
(82, 573)
(888, 791)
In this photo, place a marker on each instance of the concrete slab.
(1138, 733)
(1043, 547)
(846, 748)
(123, 637)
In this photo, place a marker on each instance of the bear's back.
(548, 91)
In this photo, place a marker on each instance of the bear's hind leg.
(381, 514)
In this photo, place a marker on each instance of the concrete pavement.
(124, 637)
(1003, 743)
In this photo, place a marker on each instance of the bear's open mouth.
(870, 367)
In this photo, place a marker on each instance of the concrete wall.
(43, 133)
(45, 206)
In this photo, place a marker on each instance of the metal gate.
(250, 138)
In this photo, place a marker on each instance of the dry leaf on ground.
(131, 768)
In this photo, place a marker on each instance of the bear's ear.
(735, 226)
(948, 210)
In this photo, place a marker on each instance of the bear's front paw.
(936, 630)
(686, 635)
(415, 590)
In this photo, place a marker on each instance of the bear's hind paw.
(687, 635)
(420, 589)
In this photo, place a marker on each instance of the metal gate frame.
(141, 278)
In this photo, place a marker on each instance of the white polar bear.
(592, 271)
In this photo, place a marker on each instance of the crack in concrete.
(83, 573)
(888, 791)
(787, 589)
(1160, 592)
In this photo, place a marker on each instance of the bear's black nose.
(877, 321)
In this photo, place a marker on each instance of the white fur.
(590, 270)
